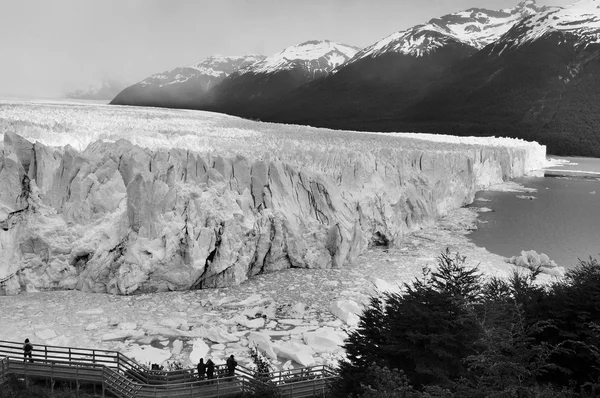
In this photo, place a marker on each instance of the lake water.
(563, 222)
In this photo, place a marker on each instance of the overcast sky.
(48, 46)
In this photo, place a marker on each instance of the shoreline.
(162, 319)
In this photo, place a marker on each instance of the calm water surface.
(563, 222)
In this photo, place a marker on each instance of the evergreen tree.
(572, 307)
(453, 276)
(426, 331)
(450, 334)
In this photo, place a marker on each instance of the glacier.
(126, 200)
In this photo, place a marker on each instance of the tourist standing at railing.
(201, 369)
(210, 369)
(27, 350)
(231, 364)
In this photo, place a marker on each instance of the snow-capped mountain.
(580, 21)
(181, 86)
(104, 89)
(212, 70)
(530, 72)
(315, 57)
(278, 75)
(476, 27)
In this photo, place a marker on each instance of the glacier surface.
(125, 199)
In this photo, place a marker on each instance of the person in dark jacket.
(210, 369)
(201, 369)
(231, 364)
(27, 351)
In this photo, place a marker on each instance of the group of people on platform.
(207, 369)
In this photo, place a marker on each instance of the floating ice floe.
(93, 311)
(123, 334)
(527, 197)
(45, 334)
(253, 300)
(263, 343)
(347, 311)
(177, 347)
(324, 340)
(383, 287)
(147, 354)
(510, 186)
(532, 260)
(249, 323)
(59, 341)
(297, 352)
(218, 335)
(199, 350)
(294, 322)
(127, 325)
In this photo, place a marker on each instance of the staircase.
(119, 384)
(125, 378)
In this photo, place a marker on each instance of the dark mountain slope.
(275, 76)
(539, 81)
(542, 91)
(366, 89)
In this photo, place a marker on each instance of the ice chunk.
(347, 311)
(199, 350)
(263, 342)
(147, 354)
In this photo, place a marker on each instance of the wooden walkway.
(122, 377)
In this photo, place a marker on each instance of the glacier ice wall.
(123, 200)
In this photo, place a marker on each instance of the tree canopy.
(454, 333)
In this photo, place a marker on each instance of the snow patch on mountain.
(216, 66)
(475, 27)
(316, 56)
(581, 19)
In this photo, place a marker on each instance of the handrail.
(118, 383)
(3, 370)
(127, 378)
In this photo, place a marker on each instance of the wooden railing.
(119, 384)
(3, 370)
(126, 378)
(55, 354)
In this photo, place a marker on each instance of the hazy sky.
(47, 46)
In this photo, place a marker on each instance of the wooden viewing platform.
(123, 377)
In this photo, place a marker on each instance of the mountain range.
(530, 72)
(104, 89)
(182, 86)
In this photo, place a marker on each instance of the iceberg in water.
(532, 260)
